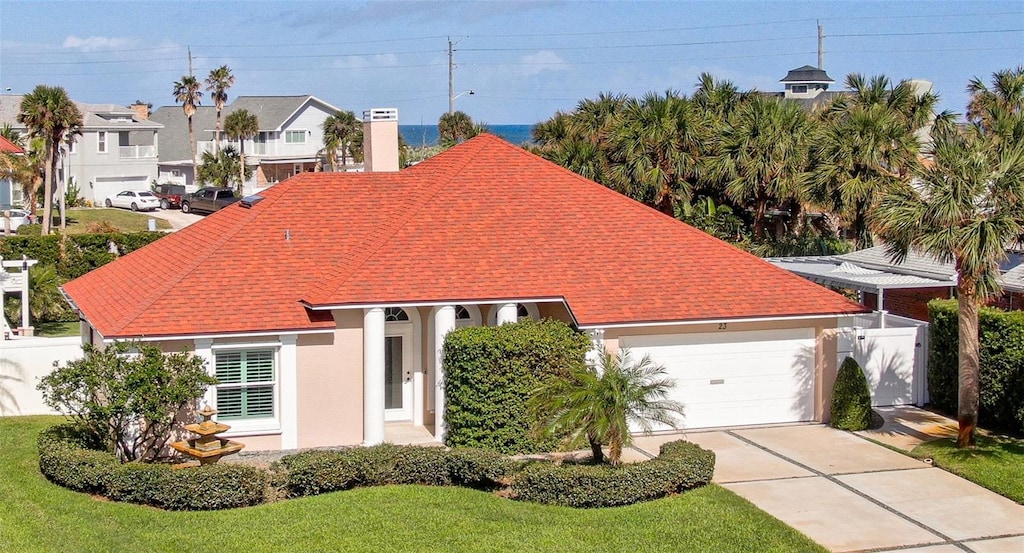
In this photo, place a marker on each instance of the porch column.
(373, 376)
(508, 313)
(444, 322)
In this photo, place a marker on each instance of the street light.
(453, 97)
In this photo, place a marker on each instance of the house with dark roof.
(116, 151)
(288, 142)
(336, 338)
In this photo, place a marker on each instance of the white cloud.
(94, 43)
(545, 60)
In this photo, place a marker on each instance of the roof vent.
(249, 201)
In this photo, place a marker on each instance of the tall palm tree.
(763, 156)
(965, 209)
(339, 130)
(48, 113)
(456, 127)
(241, 125)
(600, 404)
(187, 93)
(997, 109)
(223, 168)
(218, 83)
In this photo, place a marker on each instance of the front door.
(398, 377)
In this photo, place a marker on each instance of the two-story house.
(10, 193)
(116, 151)
(289, 142)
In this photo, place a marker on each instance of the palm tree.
(241, 125)
(964, 209)
(218, 83)
(997, 109)
(339, 131)
(601, 403)
(223, 168)
(456, 127)
(763, 156)
(187, 93)
(48, 113)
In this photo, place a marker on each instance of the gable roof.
(10, 147)
(94, 116)
(806, 74)
(483, 221)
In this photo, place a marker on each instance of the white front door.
(398, 377)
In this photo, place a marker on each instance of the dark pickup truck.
(208, 200)
(170, 195)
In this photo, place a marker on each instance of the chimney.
(380, 140)
(141, 110)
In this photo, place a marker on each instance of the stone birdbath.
(207, 448)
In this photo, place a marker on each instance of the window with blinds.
(247, 382)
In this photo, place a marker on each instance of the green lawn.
(57, 329)
(80, 218)
(36, 515)
(997, 463)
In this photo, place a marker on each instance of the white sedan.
(134, 200)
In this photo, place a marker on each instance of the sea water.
(426, 135)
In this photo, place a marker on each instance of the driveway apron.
(850, 494)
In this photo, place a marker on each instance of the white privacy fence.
(23, 362)
(893, 351)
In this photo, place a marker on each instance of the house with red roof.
(8, 191)
(322, 305)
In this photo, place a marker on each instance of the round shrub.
(33, 229)
(679, 466)
(851, 398)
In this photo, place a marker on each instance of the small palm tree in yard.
(600, 403)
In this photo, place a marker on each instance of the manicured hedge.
(489, 373)
(322, 471)
(680, 466)
(1002, 363)
(66, 459)
(79, 254)
(851, 398)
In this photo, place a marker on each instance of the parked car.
(134, 200)
(17, 217)
(170, 195)
(208, 200)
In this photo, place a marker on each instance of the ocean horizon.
(426, 135)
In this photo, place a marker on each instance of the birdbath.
(207, 448)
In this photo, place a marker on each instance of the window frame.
(101, 142)
(250, 424)
(301, 134)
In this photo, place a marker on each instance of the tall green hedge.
(489, 373)
(851, 398)
(79, 254)
(1002, 363)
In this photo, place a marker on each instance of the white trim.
(247, 345)
(713, 321)
(405, 330)
(204, 350)
(373, 376)
(440, 303)
(268, 425)
(214, 336)
(289, 389)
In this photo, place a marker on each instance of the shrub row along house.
(343, 326)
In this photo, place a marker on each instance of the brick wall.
(912, 303)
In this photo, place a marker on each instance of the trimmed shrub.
(679, 466)
(141, 483)
(489, 373)
(220, 486)
(1001, 335)
(316, 472)
(65, 458)
(79, 253)
(851, 398)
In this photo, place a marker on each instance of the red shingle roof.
(485, 220)
(10, 147)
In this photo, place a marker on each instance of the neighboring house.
(344, 328)
(902, 289)
(116, 151)
(289, 142)
(11, 194)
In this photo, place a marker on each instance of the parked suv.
(170, 195)
(208, 200)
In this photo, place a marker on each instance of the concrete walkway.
(850, 494)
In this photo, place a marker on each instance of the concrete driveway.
(176, 218)
(850, 494)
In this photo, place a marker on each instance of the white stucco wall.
(23, 362)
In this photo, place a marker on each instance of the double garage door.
(105, 187)
(736, 378)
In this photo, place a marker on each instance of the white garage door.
(736, 378)
(105, 187)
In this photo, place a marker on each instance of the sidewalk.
(907, 427)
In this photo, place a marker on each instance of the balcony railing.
(136, 152)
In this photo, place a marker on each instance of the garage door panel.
(736, 378)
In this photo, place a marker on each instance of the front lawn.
(80, 218)
(36, 515)
(57, 329)
(997, 463)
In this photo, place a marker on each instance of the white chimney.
(380, 140)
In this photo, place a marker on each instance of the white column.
(288, 382)
(204, 351)
(444, 322)
(508, 313)
(24, 294)
(373, 376)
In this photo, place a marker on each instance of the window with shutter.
(247, 384)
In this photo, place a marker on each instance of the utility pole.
(190, 74)
(821, 46)
(451, 78)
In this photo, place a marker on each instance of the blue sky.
(524, 60)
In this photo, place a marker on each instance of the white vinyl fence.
(23, 362)
(893, 351)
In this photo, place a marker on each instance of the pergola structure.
(16, 281)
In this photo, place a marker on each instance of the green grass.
(36, 515)
(57, 329)
(997, 463)
(80, 218)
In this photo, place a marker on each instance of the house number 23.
(722, 326)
